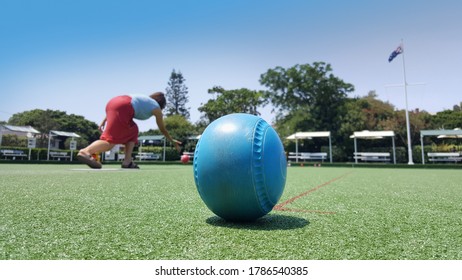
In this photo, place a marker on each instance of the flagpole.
(409, 144)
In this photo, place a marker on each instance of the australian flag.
(395, 53)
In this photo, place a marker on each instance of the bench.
(60, 155)
(109, 155)
(382, 157)
(13, 154)
(444, 157)
(308, 156)
(148, 156)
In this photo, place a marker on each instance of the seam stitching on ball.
(257, 164)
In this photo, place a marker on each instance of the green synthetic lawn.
(56, 212)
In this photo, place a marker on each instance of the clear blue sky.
(74, 56)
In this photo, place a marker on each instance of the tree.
(378, 114)
(447, 119)
(46, 120)
(370, 113)
(179, 128)
(418, 120)
(354, 118)
(307, 89)
(177, 95)
(232, 101)
(457, 108)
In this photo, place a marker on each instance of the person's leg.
(96, 147)
(128, 153)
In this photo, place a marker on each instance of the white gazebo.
(371, 135)
(311, 135)
(441, 133)
(55, 133)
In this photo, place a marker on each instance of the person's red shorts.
(120, 127)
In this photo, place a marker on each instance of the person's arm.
(160, 123)
(103, 123)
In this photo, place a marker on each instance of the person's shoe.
(88, 160)
(131, 165)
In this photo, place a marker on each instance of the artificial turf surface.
(56, 212)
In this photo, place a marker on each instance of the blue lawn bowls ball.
(240, 167)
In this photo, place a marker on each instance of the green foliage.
(14, 141)
(46, 120)
(378, 114)
(311, 98)
(171, 154)
(353, 120)
(308, 88)
(296, 120)
(306, 97)
(232, 101)
(457, 108)
(448, 119)
(369, 113)
(177, 95)
(419, 120)
(179, 128)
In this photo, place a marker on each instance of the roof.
(441, 132)
(23, 129)
(194, 137)
(63, 133)
(366, 134)
(309, 135)
(151, 137)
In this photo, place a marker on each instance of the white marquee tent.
(311, 135)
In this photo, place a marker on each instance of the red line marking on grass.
(304, 211)
(281, 206)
